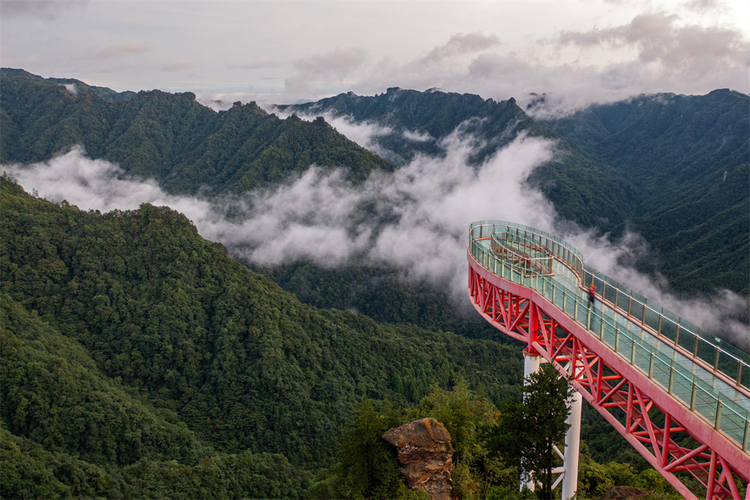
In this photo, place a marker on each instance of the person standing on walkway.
(592, 293)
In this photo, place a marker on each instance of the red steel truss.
(674, 440)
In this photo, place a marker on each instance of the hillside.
(689, 158)
(169, 137)
(654, 164)
(129, 340)
(419, 122)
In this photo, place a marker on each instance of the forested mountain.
(169, 137)
(688, 157)
(655, 164)
(418, 122)
(129, 342)
(182, 366)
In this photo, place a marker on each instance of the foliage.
(463, 412)
(528, 429)
(367, 465)
(654, 164)
(169, 137)
(130, 326)
(676, 150)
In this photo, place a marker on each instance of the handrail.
(702, 397)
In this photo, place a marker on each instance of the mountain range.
(141, 360)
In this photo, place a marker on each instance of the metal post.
(572, 448)
(532, 360)
(692, 395)
(651, 365)
(716, 358)
(717, 420)
(671, 378)
(695, 346)
(617, 338)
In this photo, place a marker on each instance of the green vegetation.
(139, 360)
(169, 137)
(483, 466)
(676, 151)
(654, 164)
(529, 428)
(132, 344)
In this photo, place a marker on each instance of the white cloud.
(460, 44)
(44, 9)
(116, 51)
(179, 65)
(259, 63)
(322, 68)
(414, 220)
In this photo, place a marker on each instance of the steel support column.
(572, 448)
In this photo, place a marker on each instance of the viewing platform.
(656, 377)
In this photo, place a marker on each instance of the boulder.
(424, 448)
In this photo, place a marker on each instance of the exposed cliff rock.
(424, 448)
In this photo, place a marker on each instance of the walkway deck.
(708, 377)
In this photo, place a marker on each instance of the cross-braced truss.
(648, 417)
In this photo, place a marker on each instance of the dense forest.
(186, 374)
(168, 137)
(655, 164)
(129, 341)
(689, 158)
(419, 122)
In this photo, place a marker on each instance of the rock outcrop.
(424, 448)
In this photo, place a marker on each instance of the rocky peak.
(424, 448)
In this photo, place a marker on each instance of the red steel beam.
(628, 396)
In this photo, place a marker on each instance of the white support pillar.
(572, 448)
(532, 360)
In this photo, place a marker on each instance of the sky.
(577, 52)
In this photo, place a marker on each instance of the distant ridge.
(654, 164)
(169, 137)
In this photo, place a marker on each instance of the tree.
(527, 430)
(367, 466)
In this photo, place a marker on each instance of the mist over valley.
(359, 206)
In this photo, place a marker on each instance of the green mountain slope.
(654, 164)
(169, 137)
(86, 435)
(419, 122)
(676, 150)
(243, 364)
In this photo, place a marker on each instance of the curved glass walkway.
(708, 376)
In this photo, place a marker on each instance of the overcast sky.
(281, 52)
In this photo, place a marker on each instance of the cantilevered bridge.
(678, 395)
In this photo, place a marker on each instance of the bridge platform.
(678, 394)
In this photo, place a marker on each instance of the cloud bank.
(654, 52)
(414, 220)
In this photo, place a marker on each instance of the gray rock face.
(424, 448)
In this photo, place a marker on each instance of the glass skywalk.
(706, 375)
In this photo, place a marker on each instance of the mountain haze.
(141, 360)
(654, 164)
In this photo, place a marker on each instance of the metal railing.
(646, 335)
